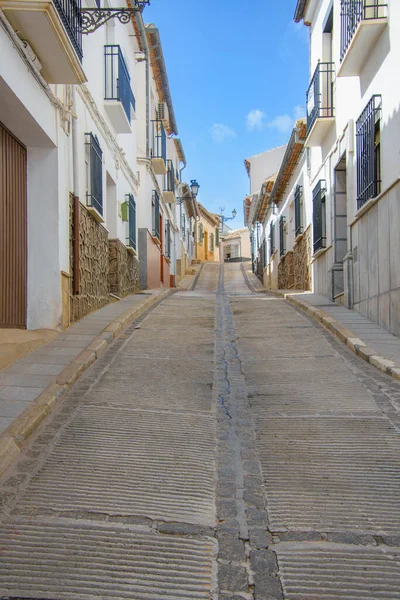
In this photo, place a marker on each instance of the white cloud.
(220, 133)
(282, 123)
(255, 119)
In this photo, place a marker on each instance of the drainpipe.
(76, 279)
(145, 46)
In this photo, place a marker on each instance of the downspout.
(143, 39)
(76, 248)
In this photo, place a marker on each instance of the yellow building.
(207, 236)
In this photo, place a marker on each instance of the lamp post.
(225, 219)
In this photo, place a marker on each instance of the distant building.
(207, 236)
(235, 246)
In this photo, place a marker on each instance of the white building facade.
(86, 126)
(353, 127)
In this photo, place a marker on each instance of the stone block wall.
(286, 271)
(123, 276)
(302, 253)
(93, 265)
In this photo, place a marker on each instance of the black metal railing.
(117, 84)
(319, 95)
(131, 220)
(319, 215)
(298, 228)
(354, 11)
(368, 151)
(167, 241)
(159, 148)
(156, 214)
(271, 238)
(94, 162)
(169, 179)
(217, 237)
(70, 14)
(282, 237)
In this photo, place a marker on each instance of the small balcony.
(169, 184)
(362, 22)
(159, 148)
(119, 100)
(320, 105)
(54, 31)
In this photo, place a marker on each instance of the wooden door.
(13, 232)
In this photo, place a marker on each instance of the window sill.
(372, 201)
(319, 253)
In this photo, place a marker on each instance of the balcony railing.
(117, 79)
(94, 164)
(320, 94)
(167, 244)
(159, 140)
(70, 14)
(156, 214)
(352, 13)
(298, 229)
(368, 151)
(169, 181)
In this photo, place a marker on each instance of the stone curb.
(346, 336)
(14, 438)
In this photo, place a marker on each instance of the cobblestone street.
(226, 446)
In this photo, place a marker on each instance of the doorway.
(339, 227)
(13, 231)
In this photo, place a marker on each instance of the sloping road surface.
(225, 447)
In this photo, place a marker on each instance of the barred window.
(94, 173)
(272, 238)
(131, 220)
(217, 237)
(369, 152)
(298, 227)
(156, 214)
(201, 233)
(167, 241)
(319, 215)
(211, 242)
(282, 240)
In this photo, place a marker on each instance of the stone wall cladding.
(286, 271)
(93, 265)
(302, 261)
(124, 277)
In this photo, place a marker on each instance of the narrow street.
(226, 446)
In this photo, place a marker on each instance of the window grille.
(211, 242)
(167, 242)
(156, 214)
(319, 215)
(368, 152)
(271, 238)
(217, 237)
(201, 233)
(131, 220)
(282, 240)
(298, 229)
(169, 179)
(94, 177)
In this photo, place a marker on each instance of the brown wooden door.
(13, 231)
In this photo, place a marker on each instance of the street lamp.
(194, 186)
(225, 219)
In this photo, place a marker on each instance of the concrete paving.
(226, 446)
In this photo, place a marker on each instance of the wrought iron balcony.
(70, 13)
(361, 23)
(156, 214)
(119, 99)
(169, 184)
(159, 147)
(320, 104)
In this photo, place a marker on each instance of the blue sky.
(238, 72)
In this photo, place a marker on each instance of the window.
(217, 237)
(201, 233)
(368, 152)
(211, 242)
(282, 244)
(298, 229)
(183, 224)
(319, 216)
(94, 173)
(167, 243)
(131, 220)
(156, 214)
(264, 253)
(271, 239)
